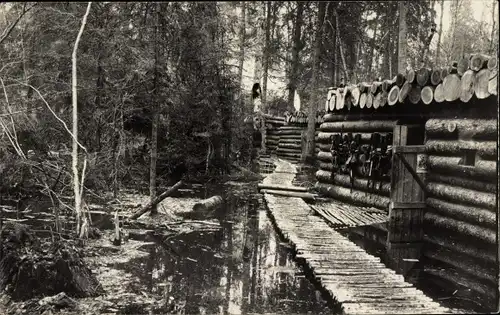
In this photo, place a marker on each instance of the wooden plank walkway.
(356, 279)
(341, 215)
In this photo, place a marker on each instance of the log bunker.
(423, 147)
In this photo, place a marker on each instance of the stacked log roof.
(474, 75)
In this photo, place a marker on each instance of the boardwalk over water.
(360, 281)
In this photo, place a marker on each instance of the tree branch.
(9, 29)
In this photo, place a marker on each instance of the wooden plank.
(408, 148)
(408, 205)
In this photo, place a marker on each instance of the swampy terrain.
(229, 261)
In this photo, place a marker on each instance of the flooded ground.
(241, 268)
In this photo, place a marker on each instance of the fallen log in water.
(427, 95)
(481, 83)
(484, 170)
(462, 195)
(461, 246)
(156, 201)
(356, 197)
(296, 194)
(359, 126)
(359, 183)
(282, 187)
(485, 149)
(478, 62)
(461, 227)
(452, 87)
(462, 182)
(485, 129)
(439, 93)
(470, 214)
(208, 204)
(467, 85)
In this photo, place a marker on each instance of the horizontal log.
(485, 149)
(475, 215)
(333, 117)
(463, 182)
(359, 126)
(463, 64)
(355, 197)
(303, 195)
(325, 137)
(462, 195)
(290, 128)
(410, 76)
(478, 62)
(493, 83)
(485, 170)
(325, 166)
(439, 93)
(369, 100)
(287, 150)
(436, 76)
(414, 95)
(427, 95)
(444, 73)
(282, 187)
(460, 227)
(423, 76)
(492, 63)
(400, 79)
(465, 129)
(393, 96)
(452, 87)
(463, 246)
(208, 204)
(344, 180)
(387, 85)
(364, 87)
(467, 85)
(404, 92)
(481, 83)
(151, 204)
(325, 156)
(375, 88)
(362, 100)
(462, 263)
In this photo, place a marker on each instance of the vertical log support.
(406, 210)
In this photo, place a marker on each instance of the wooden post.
(406, 209)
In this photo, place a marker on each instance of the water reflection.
(241, 269)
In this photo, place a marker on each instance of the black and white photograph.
(249, 157)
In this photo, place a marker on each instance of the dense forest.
(162, 88)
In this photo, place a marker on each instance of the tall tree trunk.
(313, 106)
(266, 55)
(438, 50)
(77, 185)
(333, 39)
(371, 56)
(402, 40)
(295, 54)
(155, 118)
(242, 52)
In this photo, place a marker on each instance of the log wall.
(460, 223)
(458, 107)
(340, 187)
